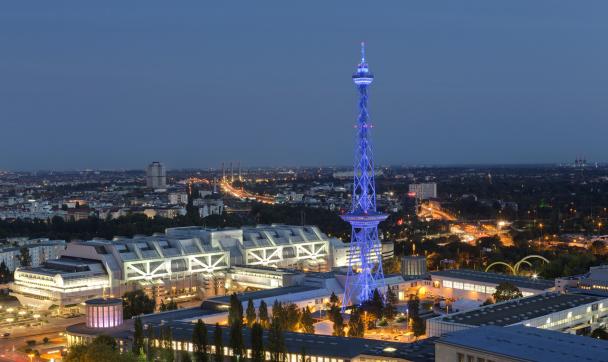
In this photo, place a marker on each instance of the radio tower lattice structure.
(363, 217)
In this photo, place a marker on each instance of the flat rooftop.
(262, 294)
(321, 345)
(496, 278)
(518, 310)
(177, 315)
(527, 343)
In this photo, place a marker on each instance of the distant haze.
(118, 84)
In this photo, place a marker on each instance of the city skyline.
(122, 86)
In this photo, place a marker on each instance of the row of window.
(291, 357)
(474, 287)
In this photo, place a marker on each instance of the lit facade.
(560, 312)
(183, 262)
(103, 313)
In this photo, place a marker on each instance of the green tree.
(263, 314)
(76, 353)
(5, 274)
(356, 326)
(172, 305)
(338, 320)
(24, 256)
(303, 356)
(250, 313)
(236, 340)
(138, 337)
(306, 321)
(333, 299)
(389, 309)
(136, 303)
(418, 327)
(235, 311)
(276, 341)
(600, 333)
(199, 342)
(292, 317)
(102, 349)
(413, 306)
(257, 343)
(184, 356)
(150, 349)
(506, 291)
(218, 343)
(374, 307)
(167, 352)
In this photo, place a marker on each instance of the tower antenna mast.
(365, 247)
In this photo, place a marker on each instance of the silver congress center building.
(181, 262)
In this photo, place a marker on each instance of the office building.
(424, 191)
(156, 176)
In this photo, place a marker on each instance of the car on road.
(6, 335)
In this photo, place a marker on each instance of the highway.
(435, 213)
(245, 195)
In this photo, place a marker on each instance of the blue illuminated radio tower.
(363, 217)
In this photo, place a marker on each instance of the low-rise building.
(571, 313)
(516, 344)
(478, 285)
(40, 250)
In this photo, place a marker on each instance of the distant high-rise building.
(156, 176)
(424, 191)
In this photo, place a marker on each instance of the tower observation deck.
(363, 217)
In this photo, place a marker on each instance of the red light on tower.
(411, 194)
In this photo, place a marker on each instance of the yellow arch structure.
(502, 263)
(524, 260)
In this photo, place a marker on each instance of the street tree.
(263, 314)
(356, 326)
(250, 313)
(135, 303)
(138, 337)
(199, 342)
(506, 291)
(257, 343)
(306, 321)
(218, 344)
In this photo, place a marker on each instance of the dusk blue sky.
(194, 83)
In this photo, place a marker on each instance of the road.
(243, 194)
(20, 335)
(435, 213)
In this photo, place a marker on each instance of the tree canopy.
(506, 291)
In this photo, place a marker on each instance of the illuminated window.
(447, 284)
